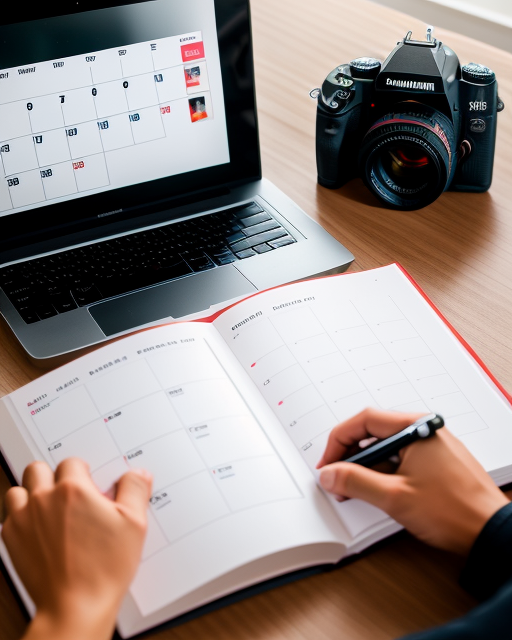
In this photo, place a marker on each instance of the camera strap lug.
(464, 149)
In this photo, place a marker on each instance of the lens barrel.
(407, 157)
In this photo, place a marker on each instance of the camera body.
(411, 128)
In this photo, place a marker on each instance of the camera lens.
(407, 157)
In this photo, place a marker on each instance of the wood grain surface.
(459, 249)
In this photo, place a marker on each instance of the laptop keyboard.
(44, 287)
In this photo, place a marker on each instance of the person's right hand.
(439, 492)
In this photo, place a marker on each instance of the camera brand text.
(410, 84)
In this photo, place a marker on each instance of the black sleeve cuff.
(489, 564)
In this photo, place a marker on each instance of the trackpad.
(176, 299)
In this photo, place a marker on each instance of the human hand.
(75, 550)
(439, 492)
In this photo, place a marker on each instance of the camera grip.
(474, 172)
(336, 152)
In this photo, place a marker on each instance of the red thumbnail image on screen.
(193, 76)
(192, 51)
(197, 108)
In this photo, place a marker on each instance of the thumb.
(134, 490)
(355, 481)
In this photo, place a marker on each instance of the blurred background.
(489, 21)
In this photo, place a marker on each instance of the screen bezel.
(52, 222)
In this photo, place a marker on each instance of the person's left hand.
(75, 550)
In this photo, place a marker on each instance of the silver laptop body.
(122, 122)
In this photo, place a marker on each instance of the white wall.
(497, 10)
(491, 24)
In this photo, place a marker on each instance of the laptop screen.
(114, 112)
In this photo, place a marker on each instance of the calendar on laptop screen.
(112, 118)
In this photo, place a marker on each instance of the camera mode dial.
(477, 73)
(365, 68)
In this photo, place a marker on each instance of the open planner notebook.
(231, 415)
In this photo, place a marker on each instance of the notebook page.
(223, 494)
(322, 350)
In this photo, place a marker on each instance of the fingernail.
(327, 478)
(144, 473)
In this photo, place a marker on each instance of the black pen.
(388, 447)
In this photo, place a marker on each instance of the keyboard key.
(171, 270)
(45, 311)
(21, 300)
(224, 256)
(248, 210)
(63, 302)
(281, 242)
(7, 279)
(259, 228)
(246, 253)
(198, 262)
(86, 295)
(262, 248)
(240, 245)
(256, 219)
(234, 237)
(28, 314)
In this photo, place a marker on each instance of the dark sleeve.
(487, 575)
(489, 564)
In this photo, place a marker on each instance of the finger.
(134, 491)
(38, 475)
(15, 499)
(354, 481)
(369, 422)
(75, 468)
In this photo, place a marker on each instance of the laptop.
(130, 183)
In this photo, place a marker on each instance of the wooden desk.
(459, 249)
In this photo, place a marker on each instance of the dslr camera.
(411, 128)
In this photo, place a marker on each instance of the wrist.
(487, 511)
(92, 622)
(470, 523)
